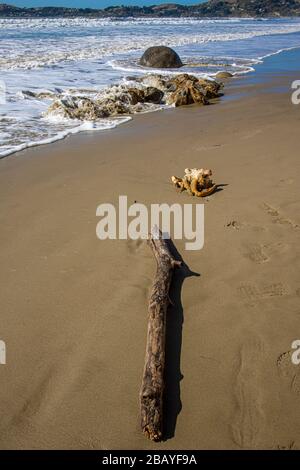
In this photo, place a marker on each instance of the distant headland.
(212, 8)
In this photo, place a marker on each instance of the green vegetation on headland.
(212, 8)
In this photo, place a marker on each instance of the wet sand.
(74, 308)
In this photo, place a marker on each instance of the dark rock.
(76, 108)
(113, 108)
(183, 77)
(154, 81)
(171, 86)
(153, 95)
(136, 95)
(188, 92)
(188, 89)
(160, 57)
(180, 90)
(181, 97)
(224, 75)
(28, 94)
(211, 88)
(132, 78)
(86, 109)
(197, 94)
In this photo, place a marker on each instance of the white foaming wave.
(70, 41)
(119, 65)
(57, 23)
(30, 54)
(24, 132)
(60, 135)
(284, 49)
(236, 66)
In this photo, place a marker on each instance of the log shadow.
(174, 325)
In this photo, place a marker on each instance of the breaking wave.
(85, 57)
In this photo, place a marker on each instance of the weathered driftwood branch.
(151, 394)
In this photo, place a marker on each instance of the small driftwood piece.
(151, 394)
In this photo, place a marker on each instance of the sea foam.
(42, 57)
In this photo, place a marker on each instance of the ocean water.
(87, 56)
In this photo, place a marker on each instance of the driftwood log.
(151, 394)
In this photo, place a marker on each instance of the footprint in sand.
(279, 218)
(256, 253)
(286, 181)
(134, 245)
(276, 248)
(289, 371)
(248, 423)
(261, 253)
(253, 293)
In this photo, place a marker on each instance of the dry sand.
(74, 309)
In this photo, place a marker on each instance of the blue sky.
(93, 3)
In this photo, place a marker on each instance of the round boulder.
(224, 75)
(161, 57)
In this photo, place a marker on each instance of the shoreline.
(74, 309)
(82, 128)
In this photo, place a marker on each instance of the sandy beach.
(74, 308)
